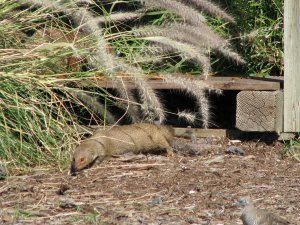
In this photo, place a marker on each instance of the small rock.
(67, 203)
(218, 159)
(192, 192)
(25, 188)
(248, 157)
(235, 150)
(157, 200)
(190, 207)
(35, 189)
(62, 189)
(3, 171)
(234, 141)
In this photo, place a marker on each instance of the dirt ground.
(155, 189)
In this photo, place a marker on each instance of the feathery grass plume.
(190, 117)
(211, 8)
(197, 89)
(152, 58)
(151, 106)
(153, 54)
(178, 34)
(155, 48)
(208, 38)
(188, 14)
(118, 17)
(204, 34)
(165, 31)
(188, 51)
(127, 96)
(228, 53)
(95, 106)
(196, 37)
(195, 30)
(84, 2)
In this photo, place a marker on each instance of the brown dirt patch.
(158, 190)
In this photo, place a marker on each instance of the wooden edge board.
(223, 83)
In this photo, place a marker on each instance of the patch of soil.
(155, 189)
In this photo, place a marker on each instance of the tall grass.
(35, 127)
(38, 124)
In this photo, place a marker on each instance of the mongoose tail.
(136, 138)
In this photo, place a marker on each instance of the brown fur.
(136, 138)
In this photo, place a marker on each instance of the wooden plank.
(291, 65)
(224, 83)
(279, 79)
(259, 111)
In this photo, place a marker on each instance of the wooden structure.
(291, 66)
(259, 101)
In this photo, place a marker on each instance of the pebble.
(235, 150)
(3, 171)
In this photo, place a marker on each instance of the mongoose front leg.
(170, 152)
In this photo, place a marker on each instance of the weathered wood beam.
(224, 83)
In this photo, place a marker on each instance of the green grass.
(292, 148)
(258, 34)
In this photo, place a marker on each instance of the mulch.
(156, 189)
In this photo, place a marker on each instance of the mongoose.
(136, 138)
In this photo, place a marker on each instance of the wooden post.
(291, 65)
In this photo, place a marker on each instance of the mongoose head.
(86, 155)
